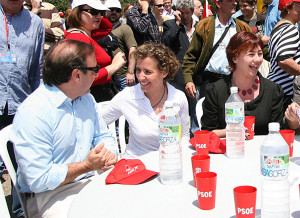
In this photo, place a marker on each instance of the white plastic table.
(153, 199)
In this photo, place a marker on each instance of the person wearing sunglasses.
(158, 10)
(85, 17)
(127, 44)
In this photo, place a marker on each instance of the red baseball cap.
(283, 3)
(129, 172)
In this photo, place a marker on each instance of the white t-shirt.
(143, 122)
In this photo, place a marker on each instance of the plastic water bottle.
(275, 161)
(170, 153)
(235, 130)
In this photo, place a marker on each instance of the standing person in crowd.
(177, 36)
(143, 23)
(158, 12)
(198, 10)
(204, 61)
(22, 37)
(262, 97)
(142, 104)
(86, 16)
(127, 44)
(59, 137)
(127, 6)
(54, 30)
(168, 11)
(272, 18)
(251, 17)
(284, 48)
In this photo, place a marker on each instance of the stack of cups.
(249, 126)
(204, 181)
(289, 136)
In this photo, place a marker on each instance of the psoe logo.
(197, 170)
(245, 210)
(205, 194)
(201, 145)
(130, 170)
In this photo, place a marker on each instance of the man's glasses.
(159, 6)
(94, 69)
(167, 3)
(118, 10)
(94, 11)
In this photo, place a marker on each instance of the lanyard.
(6, 30)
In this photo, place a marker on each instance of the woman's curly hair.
(167, 61)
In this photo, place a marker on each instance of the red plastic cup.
(249, 125)
(245, 201)
(289, 136)
(202, 141)
(200, 163)
(206, 190)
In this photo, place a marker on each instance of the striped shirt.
(283, 44)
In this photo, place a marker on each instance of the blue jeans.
(192, 107)
(120, 83)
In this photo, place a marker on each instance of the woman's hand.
(117, 62)
(292, 117)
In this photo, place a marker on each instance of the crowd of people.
(135, 57)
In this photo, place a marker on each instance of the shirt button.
(10, 72)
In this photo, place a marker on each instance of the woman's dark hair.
(63, 58)
(74, 20)
(241, 41)
(285, 9)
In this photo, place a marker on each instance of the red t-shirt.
(103, 59)
(104, 29)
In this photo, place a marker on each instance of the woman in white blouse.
(143, 103)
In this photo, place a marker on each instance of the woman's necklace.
(161, 97)
(249, 91)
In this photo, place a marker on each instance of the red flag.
(207, 10)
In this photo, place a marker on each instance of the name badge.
(8, 58)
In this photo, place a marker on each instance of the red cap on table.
(129, 172)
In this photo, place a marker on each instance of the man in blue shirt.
(272, 18)
(59, 137)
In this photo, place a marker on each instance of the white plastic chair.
(122, 142)
(9, 166)
(199, 111)
(3, 205)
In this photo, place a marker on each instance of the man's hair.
(241, 41)
(167, 61)
(250, 2)
(63, 58)
(185, 4)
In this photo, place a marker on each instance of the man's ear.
(75, 75)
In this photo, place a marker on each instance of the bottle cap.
(168, 104)
(274, 126)
(233, 89)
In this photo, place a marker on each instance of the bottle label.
(169, 134)
(234, 115)
(275, 167)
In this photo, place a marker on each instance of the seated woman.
(143, 103)
(83, 19)
(263, 98)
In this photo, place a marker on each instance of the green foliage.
(124, 2)
(61, 5)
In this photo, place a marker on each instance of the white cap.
(233, 89)
(96, 4)
(113, 4)
(274, 126)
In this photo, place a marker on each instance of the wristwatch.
(130, 72)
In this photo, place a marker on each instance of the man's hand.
(292, 117)
(36, 6)
(190, 89)
(144, 5)
(177, 15)
(130, 79)
(265, 39)
(98, 158)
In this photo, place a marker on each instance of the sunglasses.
(94, 12)
(160, 5)
(94, 69)
(118, 10)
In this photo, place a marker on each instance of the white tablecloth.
(153, 199)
